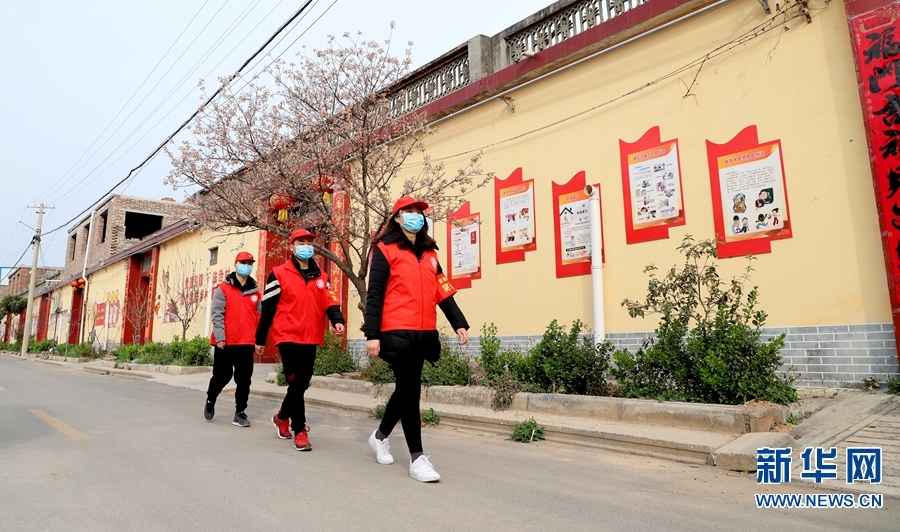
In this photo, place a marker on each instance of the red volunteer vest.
(300, 314)
(241, 317)
(413, 290)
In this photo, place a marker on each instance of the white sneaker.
(423, 471)
(382, 449)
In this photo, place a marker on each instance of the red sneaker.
(283, 426)
(301, 440)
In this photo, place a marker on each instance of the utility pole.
(34, 263)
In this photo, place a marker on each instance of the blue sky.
(90, 88)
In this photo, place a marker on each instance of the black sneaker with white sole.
(209, 411)
(240, 419)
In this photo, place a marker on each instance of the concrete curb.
(693, 416)
(680, 445)
(155, 368)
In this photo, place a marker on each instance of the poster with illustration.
(465, 246)
(574, 228)
(655, 186)
(753, 197)
(517, 216)
(651, 187)
(749, 194)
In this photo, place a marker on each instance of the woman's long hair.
(393, 228)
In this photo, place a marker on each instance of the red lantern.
(281, 203)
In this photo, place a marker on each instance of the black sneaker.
(209, 411)
(240, 419)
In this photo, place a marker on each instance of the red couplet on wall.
(572, 227)
(463, 247)
(749, 193)
(651, 187)
(515, 217)
(875, 34)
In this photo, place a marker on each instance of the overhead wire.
(168, 97)
(191, 118)
(125, 106)
(180, 83)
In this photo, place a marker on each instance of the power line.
(194, 115)
(168, 96)
(165, 99)
(135, 94)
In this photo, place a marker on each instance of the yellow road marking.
(60, 426)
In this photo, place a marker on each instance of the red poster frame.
(517, 255)
(576, 184)
(747, 139)
(462, 282)
(649, 140)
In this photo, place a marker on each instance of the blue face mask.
(244, 270)
(413, 221)
(303, 251)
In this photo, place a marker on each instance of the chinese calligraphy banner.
(464, 250)
(572, 228)
(100, 314)
(750, 205)
(651, 183)
(876, 42)
(515, 220)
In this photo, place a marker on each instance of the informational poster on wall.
(651, 181)
(573, 227)
(100, 314)
(752, 192)
(464, 253)
(514, 217)
(749, 194)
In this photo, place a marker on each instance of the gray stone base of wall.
(824, 355)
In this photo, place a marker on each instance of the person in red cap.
(406, 284)
(235, 313)
(295, 304)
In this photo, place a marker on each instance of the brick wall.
(19, 280)
(115, 209)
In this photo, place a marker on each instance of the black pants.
(403, 406)
(298, 360)
(234, 360)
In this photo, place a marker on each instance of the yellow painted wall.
(60, 298)
(107, 286)
(798, 86)
(188, 257)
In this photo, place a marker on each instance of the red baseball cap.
(243, 256)
(408, 201)
(301, 233)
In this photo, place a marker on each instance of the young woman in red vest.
(235, 313)
(406, 284)
(296, 302)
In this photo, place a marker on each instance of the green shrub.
(280, 379)
(708, 345)
(83, 350)
(527, 431)
(893, 386)
(378, 411)
(377, 371)
(452, 369)
(194, 352)
(428, 417)
(40, 347)
(566, 362)
(126, 352)
(155, 353)
(332, 358)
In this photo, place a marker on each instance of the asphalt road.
(80, 451)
